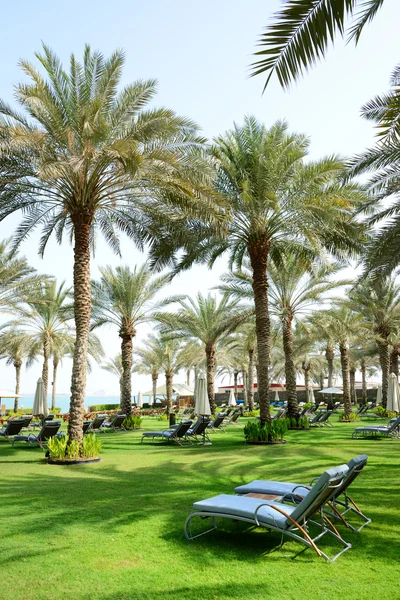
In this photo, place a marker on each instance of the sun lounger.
(85, 427)
(199, 429)
(316, 417)
(48, 430)
(295, 492)
(390, 430)
(292, 521)
(323, 421)
(97, 424)
(116, 424)
(177, 434)
(13, 428)
(216, 424)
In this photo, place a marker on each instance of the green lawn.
(114, 530)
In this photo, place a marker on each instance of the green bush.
(350, 417)
(59, 449)
(297, 423)
(251, 413)
(253, 432)
(162, 417)
(100, 407)
(382, 412)
(133, 422)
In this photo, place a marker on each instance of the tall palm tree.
(191, 356)
(150, 359)
(208, 320)
(125, 299)
(278, 201)
(45, 318)
(377, 301)
(84, 157)
(17, 347)
(171, 364)
(302, 30)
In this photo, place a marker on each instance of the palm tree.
(16, 347)
(302, 30)
(124, 298)
(45, 318)
(150, 359)
(171, 364)
(277, 201)
(207, 320)
(191, 356)
(88, 158)
(114, 366)
(377, 301)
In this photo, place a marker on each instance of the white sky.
(199, 51)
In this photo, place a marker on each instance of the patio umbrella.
(232, 399)
(331, 390)
(276, 396)
(202, 406)
(393, 399)
(139, 402)
(379, 394)
(40, 400)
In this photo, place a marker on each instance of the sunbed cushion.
(280, 488)
(357, 461)
(244, 506)
(373, 428)
(158, 433)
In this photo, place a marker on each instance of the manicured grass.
(114, 530)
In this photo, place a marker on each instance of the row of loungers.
(292, 509)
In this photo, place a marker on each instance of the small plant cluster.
(59, 449)
(252, 413)
(297, 422)
(385, 414)
(350, 417)
(133, 422)
(273, 432)
(162, 417)
(101, 407)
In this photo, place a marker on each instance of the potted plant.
(59, 452)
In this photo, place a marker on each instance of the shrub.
(133, 422)
(297, 422)
(350, 417)
(162, 417)
(253, 432)
(382, 412)
(59, 449)
(251, 413)
(100, 407)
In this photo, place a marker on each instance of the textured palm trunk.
(251, 379)
(17, 365)
(210, 356)
(353, 394)
(306, 366)
(345, 363)
(235, 382)
(321, 381)
(154, 378)
(45, 368)
(82, 310)
(384, 361)
(169, 375)
(394, 360)
(188, 377)
(54, 388)
(290, 369)
(245, 394)
(196, 377)
(126, 353)
(330, 354)
(259, 258)
(364, 381)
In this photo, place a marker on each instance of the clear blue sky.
(199, 51)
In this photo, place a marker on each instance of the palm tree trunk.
(196, 376)
(169, 374)
(17, 365)
(82, 310)
(394, 360)
(290, 369)
(54, 389)
(306, 366)
(364, 381)
(154, 377)
(353, 395)
(126, 353)
(45, 368)
(210, 355)
(251, 379)
(235, 382)
(383, 348)
(321, 381)
(188, 377)
(329, 354)
(259, 259)
(344, 359)
(245, 396)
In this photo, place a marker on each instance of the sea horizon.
(62, 401)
